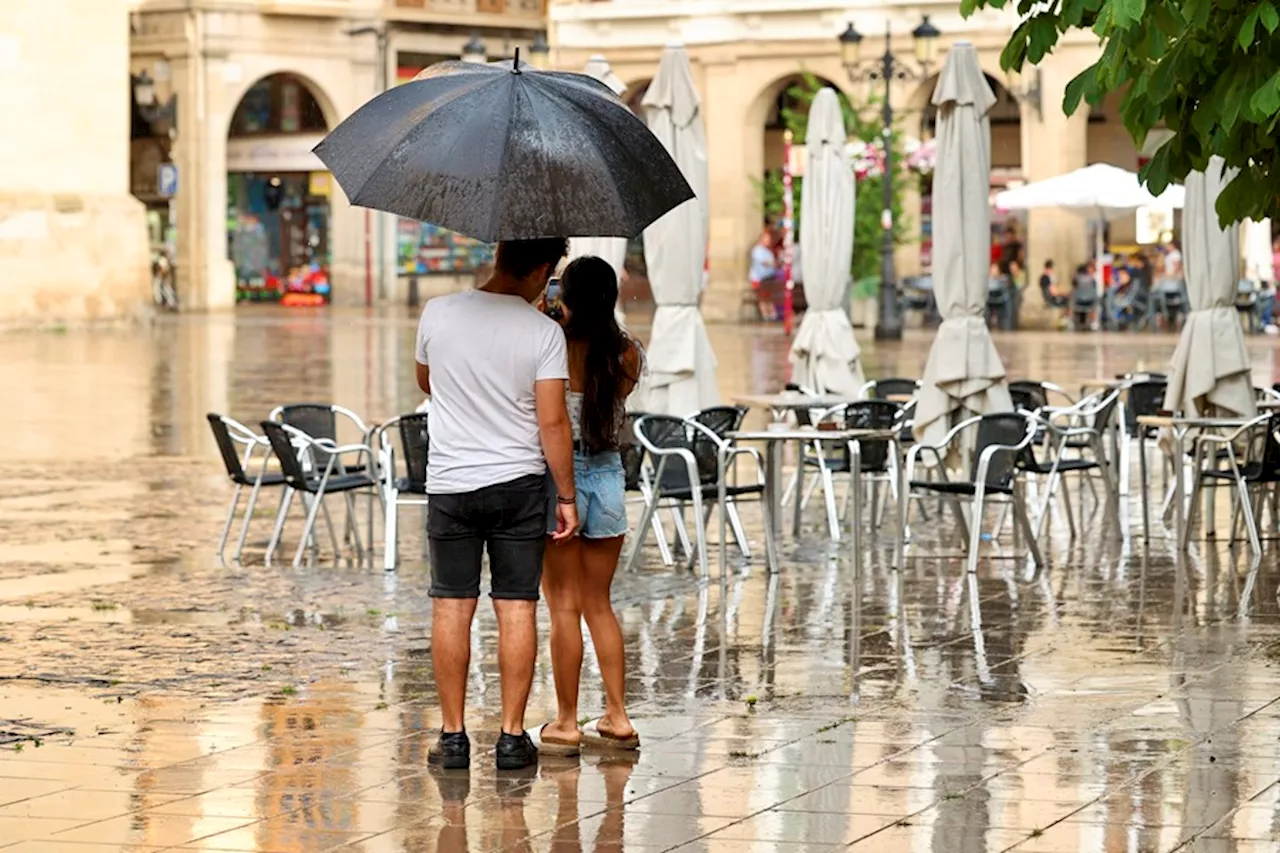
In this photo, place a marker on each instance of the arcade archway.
(278, 194)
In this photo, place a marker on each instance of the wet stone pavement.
(151, 699)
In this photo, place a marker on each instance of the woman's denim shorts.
(602, 500)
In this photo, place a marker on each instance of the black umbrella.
(505, 152)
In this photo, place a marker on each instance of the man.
(495, 368)
(1053, 298)
(765, 275)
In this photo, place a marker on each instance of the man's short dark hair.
(519, 258)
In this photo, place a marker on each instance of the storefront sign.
(283, 153)
(320, 184)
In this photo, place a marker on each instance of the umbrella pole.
(788, 236)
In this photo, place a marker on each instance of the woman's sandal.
(594, 738)
(550, 745)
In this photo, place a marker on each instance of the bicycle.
(163, 294)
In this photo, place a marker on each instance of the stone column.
(1053, 144)
(206, 279)
(73, 241)
(735, 151)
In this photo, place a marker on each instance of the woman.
(604, 366)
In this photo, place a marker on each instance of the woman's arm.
(632, 367)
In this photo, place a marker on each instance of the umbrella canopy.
(964, 374)
(1210, 370)
(681, 378)
(505, 152)
(613, 250)
(1099, 191)
(825, 354)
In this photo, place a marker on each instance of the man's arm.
(424, 378)
(557, 446)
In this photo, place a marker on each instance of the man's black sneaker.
(452, 751)
(516, 752)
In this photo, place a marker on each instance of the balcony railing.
(445, 10)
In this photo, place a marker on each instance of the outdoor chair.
(692, 469)
(722, 420)
(319, 421)
(1142, 397)
(878, 459)
(409, 489)
(638, 479)
(1248, 306)
(1252, 454)
(1084, 302)
(889, 388)
(1173, 302)
(229, 436)
(1082, 429)
(298, 454)
(997, 442)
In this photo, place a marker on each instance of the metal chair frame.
(299, 472)
(726, 453)
(239, 434)
(392, 496)
(971, 530)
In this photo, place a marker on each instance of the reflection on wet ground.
(151, 699)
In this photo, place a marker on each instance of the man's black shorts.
(509, 519)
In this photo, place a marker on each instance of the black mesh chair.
(298, 454)
(693, 467)
(998, 443)
(878, 459)
(1252, 457)
(230, 435)
(637, 479)
(890, 388)
(411, 488)
(320, 421)
(1078, 437)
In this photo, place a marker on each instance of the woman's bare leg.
(561, 584)
(599, 562)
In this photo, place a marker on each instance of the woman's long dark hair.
(589, 290)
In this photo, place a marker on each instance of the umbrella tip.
(515, 63)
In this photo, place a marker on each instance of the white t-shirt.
(485, 351)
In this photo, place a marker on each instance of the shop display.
(423, 249)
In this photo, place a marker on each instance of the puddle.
(11, 613)
(19, 589)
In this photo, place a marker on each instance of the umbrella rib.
(592, 139)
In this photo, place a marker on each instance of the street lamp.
(888, 68)
(474, 51)
(540, 52)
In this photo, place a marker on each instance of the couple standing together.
(516, 396)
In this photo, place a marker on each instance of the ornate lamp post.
(474, 50)
(888, 68)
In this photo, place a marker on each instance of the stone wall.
(73, 242)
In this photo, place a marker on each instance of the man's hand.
(566, 522)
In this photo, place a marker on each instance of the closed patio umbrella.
(825, 355)
(964, 375)
(1210, 369)
(611, 249)
(682, 366)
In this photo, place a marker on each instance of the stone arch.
(280, 197)
(328, 109)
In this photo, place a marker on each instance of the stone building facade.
(257, 84)
(73, 243)
(745, 54)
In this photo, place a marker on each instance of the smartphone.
(551, 303)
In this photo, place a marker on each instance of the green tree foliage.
(1208, 70)
(860, 123)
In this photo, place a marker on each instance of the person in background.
(495, 369)
(764, 275)
(1054, 298)
(1084, 296)
(999, 296)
